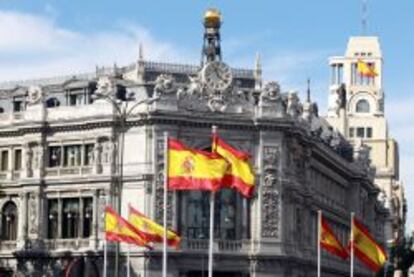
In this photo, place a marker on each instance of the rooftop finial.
(258, 64)
(140, 52)
(308, 91)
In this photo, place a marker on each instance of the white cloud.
(34, 46)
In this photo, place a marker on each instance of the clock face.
(217, 76)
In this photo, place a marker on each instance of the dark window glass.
(369, 132)
(4, 160)
(52, 102)
(87, 217)
(53, 215)
(17, 159)
(362, 106)
(9, 221)
(54, 156)
(360, 132)
(70, 218)
(17, 106)
(72, 155)
(88, 156)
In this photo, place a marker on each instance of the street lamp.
(123, 111)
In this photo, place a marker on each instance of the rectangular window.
(369, 132)
(72, 155)
(360, 132)
(351, 132)
(17, 106)
(54, 156)
(17, 159)
(88, 155)
(52, 218)
(87, 217)
(4, 160)
(70, 218)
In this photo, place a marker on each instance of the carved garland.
(159, 188)
(270, 192)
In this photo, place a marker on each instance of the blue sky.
(295, 39)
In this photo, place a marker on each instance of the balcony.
(219, 245)
(61, 171)
(68, 244)
(8, 245)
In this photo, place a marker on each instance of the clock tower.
(356, 109)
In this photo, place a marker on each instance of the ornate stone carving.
(35, 95)
(271, 102)
(294, 108)
(196, 96)
(159, 188)
(105, 85)
(337, 100)
(29, 160)
(165, 85)
(271, 92)
(270, 192)
(33, 204)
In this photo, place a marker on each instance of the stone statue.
(35, 95)
(164, 85)
(105, 85)
(270, 92)
(293, 108)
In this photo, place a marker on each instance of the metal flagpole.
(164, 246)
(210, 248)
(352, 244)
(319, 241)
(129, 261)
(105, 259)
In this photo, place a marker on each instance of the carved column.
(95, 219)
(28, 160)
(270, 193)
(22, 224)
(97, 154)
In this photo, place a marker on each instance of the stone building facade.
(59, 168)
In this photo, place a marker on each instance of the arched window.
(52, 102)
(362, 106)
(9, 221)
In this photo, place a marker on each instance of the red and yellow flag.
(152, 230)
(329, 241)
(240, 175)
(120, 230)
(366, 248)
(192, 169)
(366, 69)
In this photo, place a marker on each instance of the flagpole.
(105, 259)
(211, 240)
(164, 246)
(319, 241)
(129, 261)
(352, 244)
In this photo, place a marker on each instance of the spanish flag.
(120, 230)
(329, 241)
(366, 248)
(240, 175)
(366, 69)
(152, 230)
(191, 169)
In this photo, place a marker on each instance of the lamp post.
(122, 113)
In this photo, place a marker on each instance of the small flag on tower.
(366, 69)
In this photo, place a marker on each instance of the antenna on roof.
(364, 17)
